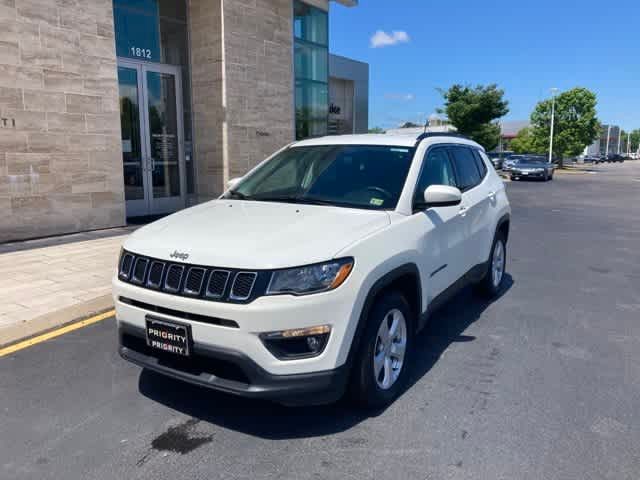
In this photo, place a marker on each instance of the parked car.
(313, 273)
(532, 167)
(591, 159)
(498, 158)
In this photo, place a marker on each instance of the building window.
(311, 52)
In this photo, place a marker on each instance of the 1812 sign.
(7, 122)
(141, 52)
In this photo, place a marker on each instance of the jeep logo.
(179, 255)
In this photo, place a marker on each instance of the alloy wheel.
(390, 349)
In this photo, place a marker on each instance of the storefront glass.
(311, 70)
(156, 31)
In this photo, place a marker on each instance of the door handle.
(153, 164)
(492, 195)
(463, 211)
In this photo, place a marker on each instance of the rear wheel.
(380, 367)
(493, 279)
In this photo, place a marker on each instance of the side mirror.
(233, 182)
(441, 196)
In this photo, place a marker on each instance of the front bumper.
(233, 372)
(519, 174)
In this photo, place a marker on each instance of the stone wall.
(258, 42)
(242, 82)
(206, 87)
(60, 154)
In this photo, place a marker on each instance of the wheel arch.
(503, 226)
(404, 278)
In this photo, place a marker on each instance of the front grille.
(174, 277)
(195, 281)
(242, 285)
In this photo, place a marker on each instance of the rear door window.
(466, 169)
(482, 167)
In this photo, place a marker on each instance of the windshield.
(355, 176)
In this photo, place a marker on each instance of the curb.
(52, 320)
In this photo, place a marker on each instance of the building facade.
(118, 108)
(348, 96)
(609, 142)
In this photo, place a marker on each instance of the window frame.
(443, 146)
(476, 153)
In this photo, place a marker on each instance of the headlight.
(310, 279)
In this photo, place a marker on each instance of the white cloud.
(384, 39)
(407, 97)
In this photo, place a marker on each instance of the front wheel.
(493, 279)
(380, 367)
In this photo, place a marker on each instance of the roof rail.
(422, 136)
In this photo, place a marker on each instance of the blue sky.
(524, 47)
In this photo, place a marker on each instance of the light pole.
(606, 153)
(619, 140)
(553, 118)
(628, 144)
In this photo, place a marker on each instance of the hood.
(531, 165)
(255, 235)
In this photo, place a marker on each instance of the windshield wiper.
(238, 195)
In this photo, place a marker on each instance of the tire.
(488, 285)
(365, 389)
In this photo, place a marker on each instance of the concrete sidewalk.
(49, 282)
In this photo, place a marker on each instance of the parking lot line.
(55, 333)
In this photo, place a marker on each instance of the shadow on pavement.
(272, 421)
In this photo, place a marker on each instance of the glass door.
(133, 156)
(152, 137)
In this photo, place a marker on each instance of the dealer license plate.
(169, 336)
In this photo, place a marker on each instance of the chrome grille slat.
(154, 280)
(139, 270)
(194, 280)
(173, 278)
(217, 284)
(242, 285)
(125, 266)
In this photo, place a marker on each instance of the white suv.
(312, 274)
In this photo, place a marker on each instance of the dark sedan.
(532, 167)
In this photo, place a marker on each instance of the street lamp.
(553, 117)
(628, 144)
(606, 154)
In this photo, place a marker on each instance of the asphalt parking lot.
(543, 383)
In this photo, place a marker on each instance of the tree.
(575, 125)
(524, 142)
(474, 111)
(376, 130)
(635, 140)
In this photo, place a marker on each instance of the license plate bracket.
(168, 336)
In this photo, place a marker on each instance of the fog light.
(314, 343)
(297, 343)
